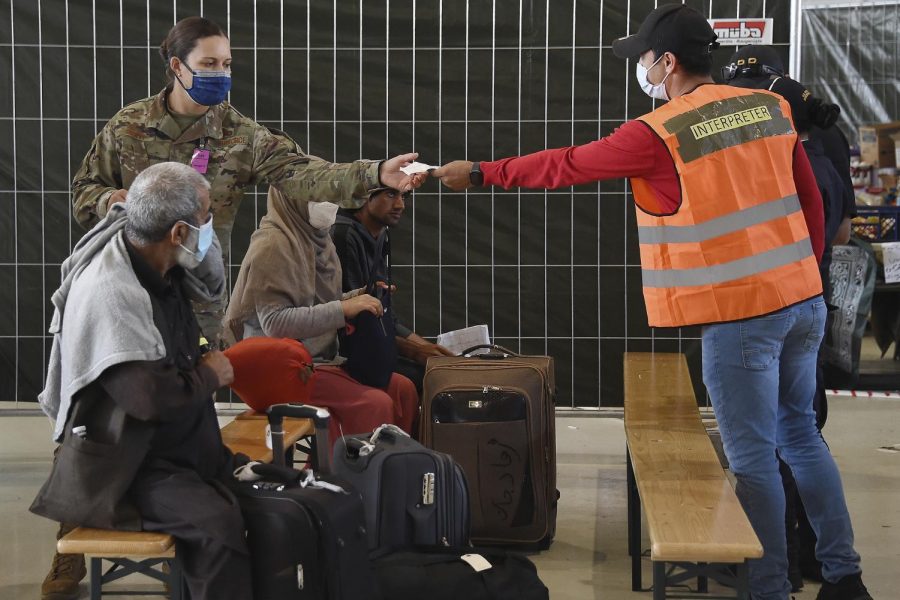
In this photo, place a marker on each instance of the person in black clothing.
(356, 236)
(759, 67)
(145, 394)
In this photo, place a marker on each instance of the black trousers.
(205, 519)
(412, 371)
(415, 373)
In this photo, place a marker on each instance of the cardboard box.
(896, 138)
(876, 146)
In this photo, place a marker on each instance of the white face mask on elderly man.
(322, 214)
(201, 239)
(658, 90)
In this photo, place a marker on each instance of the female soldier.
(190, 122)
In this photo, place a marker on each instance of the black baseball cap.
(753, 62)
(672, 28)
(807, 109)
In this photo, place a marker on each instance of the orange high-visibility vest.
(737, 246)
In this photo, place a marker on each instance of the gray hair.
(161, 196)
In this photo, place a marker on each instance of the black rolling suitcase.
(413, 496)
(306, 543)
(494, 414)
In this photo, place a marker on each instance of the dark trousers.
(412, 371)
(205, 519)
(415, 373)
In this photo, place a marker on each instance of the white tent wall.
(849, 54)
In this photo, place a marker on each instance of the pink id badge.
(200, 160)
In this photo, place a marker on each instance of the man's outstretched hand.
(455, 175)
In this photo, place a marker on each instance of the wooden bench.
(143, 551)
(695, 521)
(247, 435)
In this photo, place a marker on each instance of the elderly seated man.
(129, 391)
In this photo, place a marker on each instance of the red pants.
(358, 408)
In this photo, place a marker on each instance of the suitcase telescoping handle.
(320, 418)
(497, 352)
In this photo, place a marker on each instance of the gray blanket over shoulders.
(103, 315)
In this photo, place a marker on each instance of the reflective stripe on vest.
(736, 269)
(754, 215)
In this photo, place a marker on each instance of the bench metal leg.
(742, 581)
(96, 578)
(659, 580)
(123, 567)
(634, 525)
(702, 581)
(176, 580)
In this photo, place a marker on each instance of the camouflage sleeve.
(98, 177)
(279, 161)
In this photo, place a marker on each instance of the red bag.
(271, 371)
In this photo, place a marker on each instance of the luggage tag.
(200, 158)
(269, 437)
(476, 561)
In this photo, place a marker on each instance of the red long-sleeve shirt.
(633, 150)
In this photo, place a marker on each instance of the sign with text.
(742, 32)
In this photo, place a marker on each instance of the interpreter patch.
(732, 121)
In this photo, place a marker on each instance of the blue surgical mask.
(209, 87)
(657, 90)
(204, 241)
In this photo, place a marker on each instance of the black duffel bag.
(455, 573)
(369, 342)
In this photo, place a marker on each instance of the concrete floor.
(589, 558)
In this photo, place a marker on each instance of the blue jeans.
(761, 377)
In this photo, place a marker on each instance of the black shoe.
(847, 588)
(810, 567)
(796, 578)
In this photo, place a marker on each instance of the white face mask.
(658, 90)
(202, 240)
(322, 214)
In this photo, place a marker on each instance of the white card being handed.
(416, 167)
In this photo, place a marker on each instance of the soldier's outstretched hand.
(391, 175)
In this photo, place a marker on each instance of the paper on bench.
(463, 339)
(416, 167)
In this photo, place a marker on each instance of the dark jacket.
(356, 250)
(836, 148)
(138, 416)
(834, 199)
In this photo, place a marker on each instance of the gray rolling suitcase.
(412, 496)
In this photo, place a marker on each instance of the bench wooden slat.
(107, 542)
(247, 434)
(692, 512)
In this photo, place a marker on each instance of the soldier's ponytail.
(182, 39)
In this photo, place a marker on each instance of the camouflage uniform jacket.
(242, 153)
